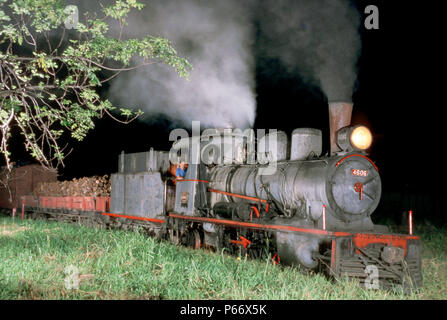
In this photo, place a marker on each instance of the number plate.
(359, 172)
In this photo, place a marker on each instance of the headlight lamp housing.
(356, 138)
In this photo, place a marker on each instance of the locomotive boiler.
(266, 196)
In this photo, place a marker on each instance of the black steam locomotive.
(270, 197)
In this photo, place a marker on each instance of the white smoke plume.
(319, 39)
(216, 38)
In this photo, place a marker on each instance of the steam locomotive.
(266, 198)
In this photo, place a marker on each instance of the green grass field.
(50, 260)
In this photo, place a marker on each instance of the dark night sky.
(395, 96)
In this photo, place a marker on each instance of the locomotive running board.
(232, 223)
(362, 237)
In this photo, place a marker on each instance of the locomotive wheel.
(194, 240)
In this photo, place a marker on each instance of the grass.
(35, 260)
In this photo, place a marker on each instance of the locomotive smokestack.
(339, 116)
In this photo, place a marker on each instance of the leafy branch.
(50, 75)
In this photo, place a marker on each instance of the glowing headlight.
(354, 138)
(361, 137)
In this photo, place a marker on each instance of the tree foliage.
(50, 74)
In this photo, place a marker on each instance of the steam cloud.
(216, 38)
(318, 39)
